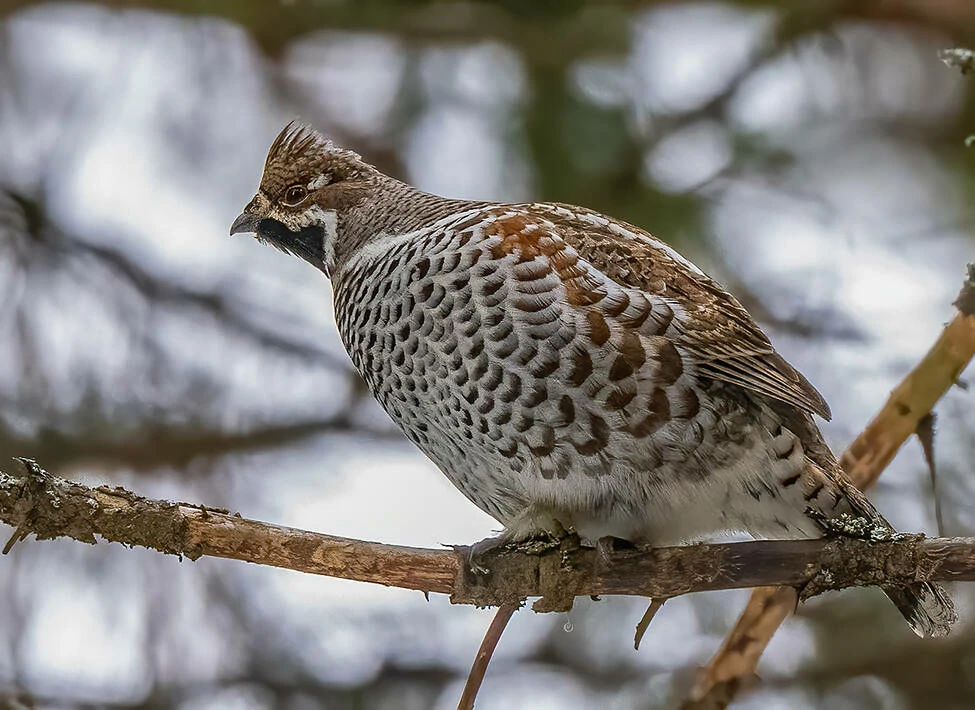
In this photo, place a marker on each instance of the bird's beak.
(245, 223)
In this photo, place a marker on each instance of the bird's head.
(308, 183)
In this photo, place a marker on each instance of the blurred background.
(810, 155)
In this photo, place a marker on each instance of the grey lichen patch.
(960, 58)
(535, 545)
(855, 526)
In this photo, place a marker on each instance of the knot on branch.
(557, 572)
(846, 562)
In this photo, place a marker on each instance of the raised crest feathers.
(297, 139)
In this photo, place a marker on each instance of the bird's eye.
(294, 195)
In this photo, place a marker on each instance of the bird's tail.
(926, 606)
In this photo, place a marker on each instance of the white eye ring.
(295, 195)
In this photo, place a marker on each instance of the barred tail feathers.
(926, 606)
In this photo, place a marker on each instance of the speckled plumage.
(562, 368)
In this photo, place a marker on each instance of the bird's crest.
(298, 139)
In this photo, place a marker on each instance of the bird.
(564, 369)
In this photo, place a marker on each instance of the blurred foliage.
(119, 356)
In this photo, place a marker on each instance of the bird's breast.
(510, 362)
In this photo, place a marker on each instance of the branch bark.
(734, 665)
(34, 501)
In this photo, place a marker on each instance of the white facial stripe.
(328, 221)
(320, 181)
(331, 230)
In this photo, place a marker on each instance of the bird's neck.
(395, 209)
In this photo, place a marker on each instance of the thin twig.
(484, 654)
(925, 435)
(644, 623)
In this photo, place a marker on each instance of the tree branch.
(34, 501)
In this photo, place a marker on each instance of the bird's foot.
(536, 544)
(476, 553)
(606, 546)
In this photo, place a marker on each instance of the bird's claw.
(475, 554)
(537, 544)
(606, 546)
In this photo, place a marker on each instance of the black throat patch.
(305, 243)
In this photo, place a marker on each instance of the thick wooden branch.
(35, 502)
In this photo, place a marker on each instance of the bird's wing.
(713, 328)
